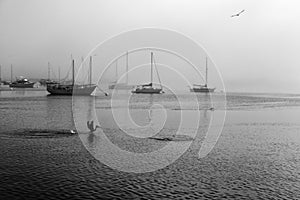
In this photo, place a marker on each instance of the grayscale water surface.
(257, 154)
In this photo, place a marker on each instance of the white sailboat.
(148, 88)
(202, 88)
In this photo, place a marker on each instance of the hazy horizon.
(255, 52)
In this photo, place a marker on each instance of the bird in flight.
(238, 14)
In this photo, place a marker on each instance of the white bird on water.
(238, 14)
(90, 125)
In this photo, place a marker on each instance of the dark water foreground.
(257, 157)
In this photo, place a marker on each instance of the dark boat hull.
(70, 89)
(147, 91)
(21, 85)
(202, 90)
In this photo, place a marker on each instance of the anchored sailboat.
(148, 88)
(45, 82)
(202, 88)
(121, 86)
(73, 89)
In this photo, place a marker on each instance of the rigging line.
(70, 67)
(86, 77)
(105, 93)
(67, 76)
(53, 73)
(157, 72)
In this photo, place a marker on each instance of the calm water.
(257, 154)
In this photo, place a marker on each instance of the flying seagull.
(238, 14)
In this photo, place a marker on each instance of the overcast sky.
(256, 52)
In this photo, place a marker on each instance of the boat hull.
(21, 85)
(202, 90)
(147, 91)
(71, 89)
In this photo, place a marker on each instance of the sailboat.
(121, 86)
(45, 82)
(148, 88)
(73, 89)
(202, 88)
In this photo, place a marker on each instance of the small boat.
(45, 82)
(121, 86)
(202, 88)
(72, 89)
(148, 88)
(22, 82)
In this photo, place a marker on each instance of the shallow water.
(256, 156)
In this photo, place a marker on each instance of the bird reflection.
(91, 138)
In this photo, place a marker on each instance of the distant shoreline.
(42, 88)
(7, 88)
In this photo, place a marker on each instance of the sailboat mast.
(48, 71)
(116, 71)
(11, 73)
(151, 67)
(206, 71)
(0, 75)
(91, 66)
(157, 73)
(127, 67)
(59, 74)
(73, 72)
